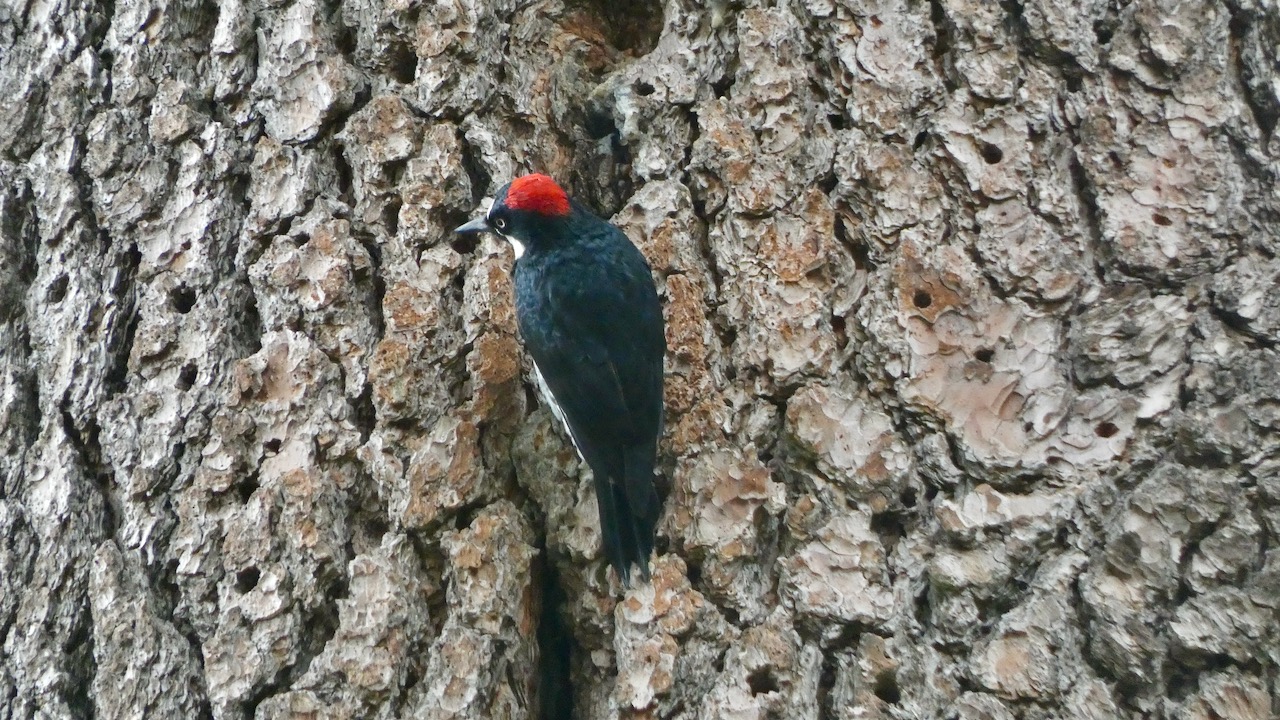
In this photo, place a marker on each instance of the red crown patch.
(537, 193)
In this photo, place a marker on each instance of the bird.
(589, 316)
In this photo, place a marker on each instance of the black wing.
(593, 324)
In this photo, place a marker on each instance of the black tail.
(629, 510)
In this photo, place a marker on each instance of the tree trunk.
(972, 388)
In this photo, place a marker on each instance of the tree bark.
(972, 384)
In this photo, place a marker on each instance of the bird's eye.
(500, 224)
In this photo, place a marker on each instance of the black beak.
(480, 224)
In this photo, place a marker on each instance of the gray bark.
(973, 382)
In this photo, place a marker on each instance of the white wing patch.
(550, 400)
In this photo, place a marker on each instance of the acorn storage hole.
(922, 299)
(991, 154)
(187, 376)
(247, 579)
(632, 27)
(465, 244)
(908, 498)
(1161, 220)
(887, 687)
(57, 290)
(182, 299)
(984, 355)
(403, 63)
(1106, 430)
(761, 681)
(246, 488)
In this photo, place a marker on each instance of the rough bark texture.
(973, 390)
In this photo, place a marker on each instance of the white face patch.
(516, 245)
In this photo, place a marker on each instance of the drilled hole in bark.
(246, 487)
(1238, 25)
(186, 377)
(394, 170)
(887, 688)
(924, 607)
(762, 681)
(984, 354)
(919, 140)
(908, 498)
(598, 122)
(1161, 220)
(57, 290)
(1106, 430)
(731, 615)
(375, 528)
(838, 327)
(1186, 396)
(345, 39)
(721, 86)
(465, 244)
(889, 527)
(247, 579)
(345, 174)
(991, 153)
(837, 121)
(182, 299)
(633, 27)
(644, 89)
(1103, 31)
(403, 63)
(391, 215)
(922, 299)
(531, 399)
(272, 445)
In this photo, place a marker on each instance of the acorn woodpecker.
(589, 315)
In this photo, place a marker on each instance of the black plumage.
(590, 318)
